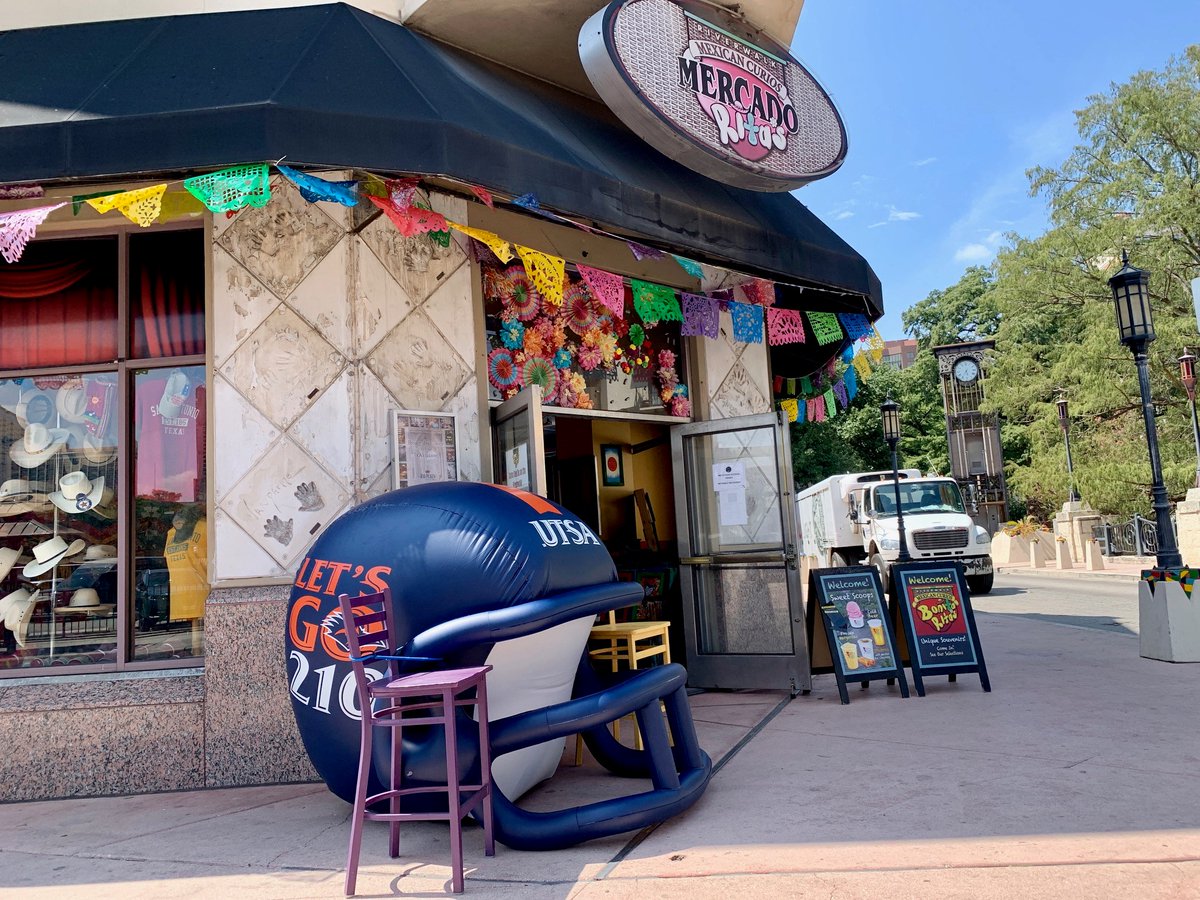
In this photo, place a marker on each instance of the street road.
(1068, 601)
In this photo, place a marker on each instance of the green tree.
(1132, 183)
(965, 311)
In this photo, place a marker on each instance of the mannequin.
(186, 552)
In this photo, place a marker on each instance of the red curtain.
(168, 304)
(58, 305)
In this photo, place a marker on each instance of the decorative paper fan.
(578, 310)
(520, 295)
(502, 371)
(539, 370)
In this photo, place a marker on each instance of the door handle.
(696, 561)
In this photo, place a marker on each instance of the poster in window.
(423, 448)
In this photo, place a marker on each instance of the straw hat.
(8, 558)
(19, 612)
(77, 493)
(71, 401)
(86, 600)
(40, 443)
(34, 407)
(20, 496)
(100, 551)
(7, 601)
(10, 395)
(50, 553)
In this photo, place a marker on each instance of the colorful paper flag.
(790, 407)
(232, 188)
(747, 322)
(140, 207)
(606, 287)
(655, 302)
(317, 190)
(502, 248)
(692, 268)
(18, 228)
(484, 195)
(546, 272)
(784, 326)
(701, 316)
(825, 327)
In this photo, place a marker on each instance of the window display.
(81, 449)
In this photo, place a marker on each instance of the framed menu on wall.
(859, 633)
(939, 625)
(423, 448)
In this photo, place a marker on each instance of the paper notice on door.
(731, 507)
(729, 475)
(516, 474)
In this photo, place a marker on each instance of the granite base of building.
(227, 724)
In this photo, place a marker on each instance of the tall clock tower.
(976, 460)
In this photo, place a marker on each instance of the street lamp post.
(1187, 373)
(1136, 330)
(890, 412)
(1064, 419)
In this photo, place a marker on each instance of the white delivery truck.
(851, 519)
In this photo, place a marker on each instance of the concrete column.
(1187, 524)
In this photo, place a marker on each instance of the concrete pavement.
(1078, 775)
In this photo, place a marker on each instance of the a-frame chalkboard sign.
(932, 602)
(860, 635)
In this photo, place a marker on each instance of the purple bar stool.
(369, 628)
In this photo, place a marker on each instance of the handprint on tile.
(279, 530)
(310, 498)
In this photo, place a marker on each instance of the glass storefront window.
(170, 524)
(103, 531)
(58, 520)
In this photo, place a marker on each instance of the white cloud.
(972, 253)
(844, 214)
(929, 160)
(900, 215)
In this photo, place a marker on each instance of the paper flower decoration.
(520, 295)
(562, 359)
(538, 370)
(637, 335)
(578, 309)
(512, 335)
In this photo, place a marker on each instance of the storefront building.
(185, 404)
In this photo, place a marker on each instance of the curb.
(1130, 577)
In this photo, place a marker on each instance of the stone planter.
(1169, 622)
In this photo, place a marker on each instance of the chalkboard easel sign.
(939, 623)
(862, 642)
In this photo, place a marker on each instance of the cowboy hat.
(50, 553)
(77, 493)
(39, 445)
(19, 496)
(34, 407)
(10, 395)
(100, 551)
(86, 600)
(20, 611)
(8, 558)
(94, 449)
(9, 599)
(71, 401)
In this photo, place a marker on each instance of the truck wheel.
(839, 559)
(880, 565)
(981, 584)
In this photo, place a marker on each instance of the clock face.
(966, 370)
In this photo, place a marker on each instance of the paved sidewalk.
(1079, 775)
(1119, 568)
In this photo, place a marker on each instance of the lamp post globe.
(1135, 327)
(889, 412)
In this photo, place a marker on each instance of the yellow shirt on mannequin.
(187, 563)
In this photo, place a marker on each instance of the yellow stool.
(624, 640)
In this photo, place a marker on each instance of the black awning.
(335, 86)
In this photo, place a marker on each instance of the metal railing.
(1136, 537)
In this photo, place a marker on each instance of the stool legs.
(360, 806)
(394, 803)
(454, 795)
(485, 771)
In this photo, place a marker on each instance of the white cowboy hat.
(95, 450)
(36, 407)
(20, 611)
(86, 600)
(39, 445)
(8, 558)
(71, 401)
(77, 493)
(20, 490)
(49, 554)
(8, 600)
(10, 395)
(100, 551)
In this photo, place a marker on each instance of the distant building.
(900, 354)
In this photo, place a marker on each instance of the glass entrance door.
(742, 606)
(517, 440)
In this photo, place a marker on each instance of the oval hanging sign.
(706, 90)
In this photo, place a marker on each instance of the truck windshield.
(920, 497)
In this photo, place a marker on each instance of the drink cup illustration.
(850, 654)
(876, 626)
(866, 651)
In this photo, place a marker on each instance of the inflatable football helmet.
(481, 573)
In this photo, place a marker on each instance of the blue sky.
(947, 103)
